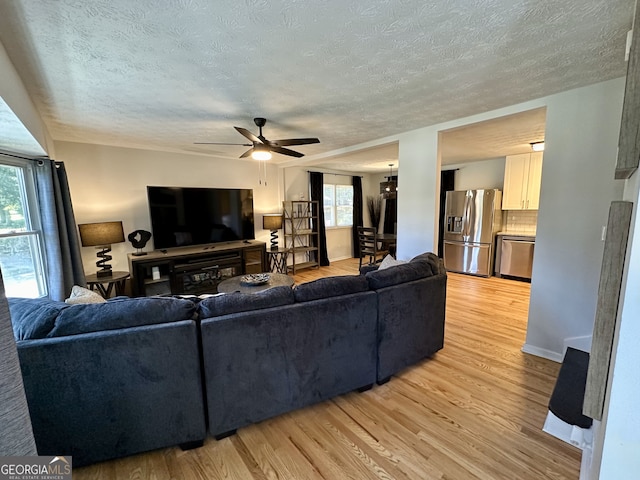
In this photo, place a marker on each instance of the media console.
(194, 270)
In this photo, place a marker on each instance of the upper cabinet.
(522, 177)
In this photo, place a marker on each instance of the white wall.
(418, 192)
(480, 174)
(109, 184)
(577, 187)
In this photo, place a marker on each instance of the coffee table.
(233, 284)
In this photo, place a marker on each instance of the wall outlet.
(604, 233)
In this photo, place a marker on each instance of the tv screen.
(196, 216)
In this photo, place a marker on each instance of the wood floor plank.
(473, 411)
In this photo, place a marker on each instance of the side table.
(278, 260)
(117, 280)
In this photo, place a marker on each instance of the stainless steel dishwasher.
(516, 257)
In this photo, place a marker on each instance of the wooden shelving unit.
(302, 242)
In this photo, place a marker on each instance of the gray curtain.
(16, 434)
(316, 182)
(62, 246)
(358, 220)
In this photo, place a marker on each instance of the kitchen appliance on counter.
(472, 218)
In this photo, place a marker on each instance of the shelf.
(300, 266)
(303, 249)
(164, 278)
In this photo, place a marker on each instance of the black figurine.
(139, 239)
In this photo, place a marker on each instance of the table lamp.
(101, 235)
(273, 222)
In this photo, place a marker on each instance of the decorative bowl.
(255, 279)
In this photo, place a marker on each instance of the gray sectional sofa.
(129, 375)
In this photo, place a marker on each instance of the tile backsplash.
(520, 221)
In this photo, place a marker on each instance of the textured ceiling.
(163, 75)
(508, 135)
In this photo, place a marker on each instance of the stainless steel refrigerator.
(471, 220)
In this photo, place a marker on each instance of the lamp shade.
(272, 221)
(103, 233)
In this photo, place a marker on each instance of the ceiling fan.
(261, 148)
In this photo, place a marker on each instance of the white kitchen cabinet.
(522, 177)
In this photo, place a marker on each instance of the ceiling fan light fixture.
(261, 153)
(537, 146)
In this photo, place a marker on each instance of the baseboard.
(337, 259)
(580, 343)
(542, 352)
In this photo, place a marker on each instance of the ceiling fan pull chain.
(265, 174)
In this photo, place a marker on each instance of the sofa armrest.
(411, 318)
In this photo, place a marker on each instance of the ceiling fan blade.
(248, 134)
(247, 153)
(295, 141)
(285, 151)
(216, 143)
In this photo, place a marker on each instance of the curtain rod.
(33, 159)
(339, 174)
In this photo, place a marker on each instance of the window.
(338, 205)
(21, 257)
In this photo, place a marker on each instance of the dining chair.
(369, 246)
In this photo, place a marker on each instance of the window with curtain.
(338, 205)
(21, 242)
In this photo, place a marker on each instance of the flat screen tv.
(183, 216)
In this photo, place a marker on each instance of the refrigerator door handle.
(467, 212)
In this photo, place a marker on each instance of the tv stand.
(194, 270)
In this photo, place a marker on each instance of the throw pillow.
(389, 261)
(81, 295)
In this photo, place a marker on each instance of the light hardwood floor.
(473, 411)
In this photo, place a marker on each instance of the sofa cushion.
(330, 287)
(121, 313)
(399, 274)
(33, 318)
(244, 302)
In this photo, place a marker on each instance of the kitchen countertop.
(516, 234)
